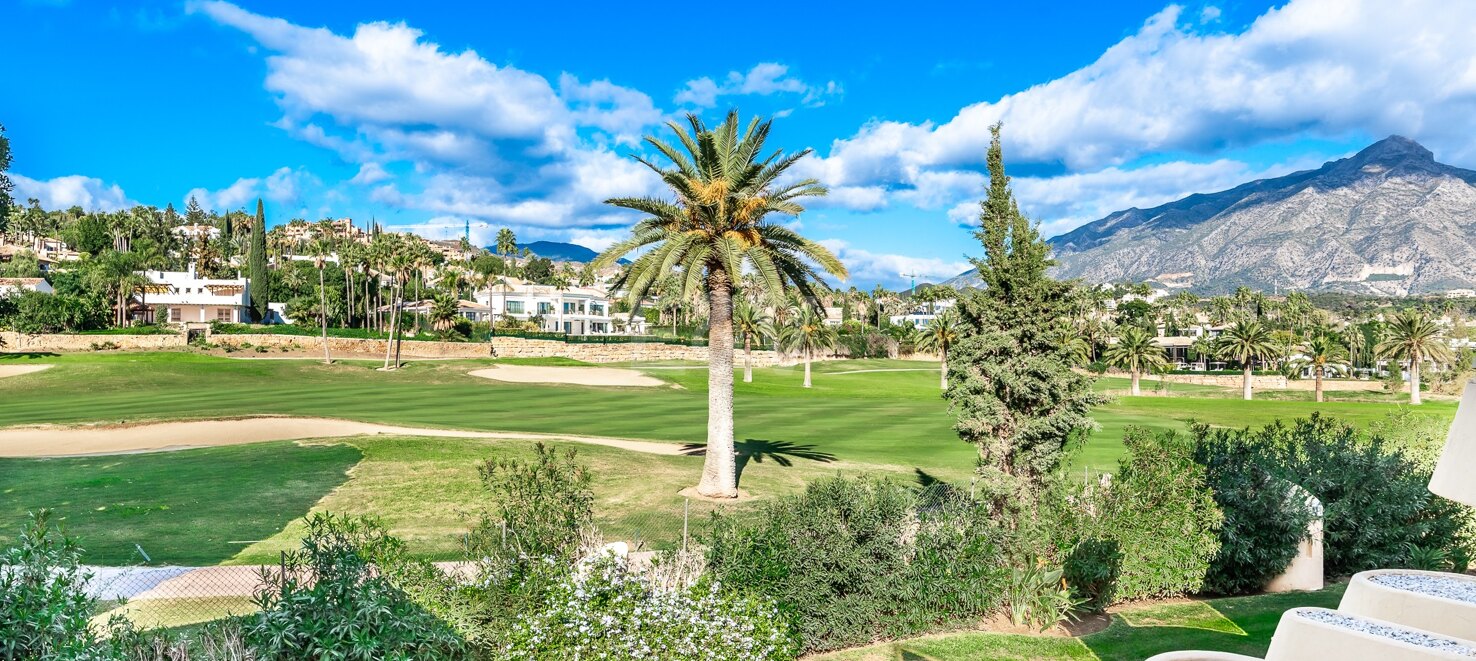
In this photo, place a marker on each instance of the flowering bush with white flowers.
(608, 611)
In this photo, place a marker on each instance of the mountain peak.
(1394, 148)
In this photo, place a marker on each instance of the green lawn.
(855, 418)
(1236, 624)
(195, 507)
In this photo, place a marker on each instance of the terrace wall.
(500, 347)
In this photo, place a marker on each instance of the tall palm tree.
(1202, 348)
(320, 249)
(940, 335)
(751, 321)
(1245, 342)
(806, 334)
(507, 242)
(726, 189)
(1323, 352)
(1136, 352)
(1412, 336)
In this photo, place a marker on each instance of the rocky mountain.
(1387, 220)
(557, 251)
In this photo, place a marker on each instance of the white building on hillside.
(10, 286)
(576, 310)
(183, 297)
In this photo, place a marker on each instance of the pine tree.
(261, 286)
(1013, 391)
(194, 215)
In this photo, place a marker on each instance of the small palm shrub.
(608, 611)
(856, 559)
(330, 600)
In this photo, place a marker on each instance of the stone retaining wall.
(500, 347)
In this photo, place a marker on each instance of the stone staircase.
(1391, 614)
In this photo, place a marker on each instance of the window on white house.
(174, 315)
(222, 314)
(570, 308)
(514, 307)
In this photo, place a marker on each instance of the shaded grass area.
(1167, 629)
(180, 611)
(193, 507)
(427, 490)
(1242, 625)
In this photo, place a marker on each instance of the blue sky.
(429, 115)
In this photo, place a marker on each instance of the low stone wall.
(501, 347)
(1269, 381)
(10, 341)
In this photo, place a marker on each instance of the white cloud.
(90, 193)
(764, 79)
(1321, 68)
(866, 266)
(491, 142)
(285, 186)
(370, 173)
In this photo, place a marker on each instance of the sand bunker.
(55, 441)
(581, 376)
(17, 370)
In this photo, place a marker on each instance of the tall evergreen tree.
(1014, 394)
(261, 285)
(6, 202)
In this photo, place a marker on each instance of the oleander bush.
(330, 600)
(1266, 516)
(1368, 523)
(853, 560)
(605, 610)
(1150, 531)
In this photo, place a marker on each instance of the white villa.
(920, 315)
(576, 310)
(183, 297)
(10, 286)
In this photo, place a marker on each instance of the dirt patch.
(17, 370)
(691, 492)
(580, 376)
(57, 441)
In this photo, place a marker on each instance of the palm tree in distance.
(320, 249)
(1412, 337)
(1245, 342)
(507, 242)
(940, 335)
(1136, 352)
(751, 322)
(725, 188)
(807, 334)
(1323, 352)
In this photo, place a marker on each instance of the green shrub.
(607, 611)
(330, 599)
(1376, 502)
(44, 611)
(1155, 520)
(854, 560)
(1265, 517)
(1036, 597)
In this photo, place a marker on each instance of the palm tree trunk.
(389, 347)
(399, 323)
(1318, 388)
(719, 471)
(943, 370)
(808, 353)
(1414, 381)
(1137, 389)
(1246, 381)
(323, 314)
(747, 358)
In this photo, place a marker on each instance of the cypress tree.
(260, 277)
(1013, 392)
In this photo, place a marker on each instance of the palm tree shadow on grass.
(757, 450)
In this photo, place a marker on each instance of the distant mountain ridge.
(1388, 220)
(557, 251)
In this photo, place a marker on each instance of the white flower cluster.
(610, 611)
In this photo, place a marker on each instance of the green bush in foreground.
(607, 611)
(854, 560)
(331, 601)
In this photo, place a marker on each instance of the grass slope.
(194, 507)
